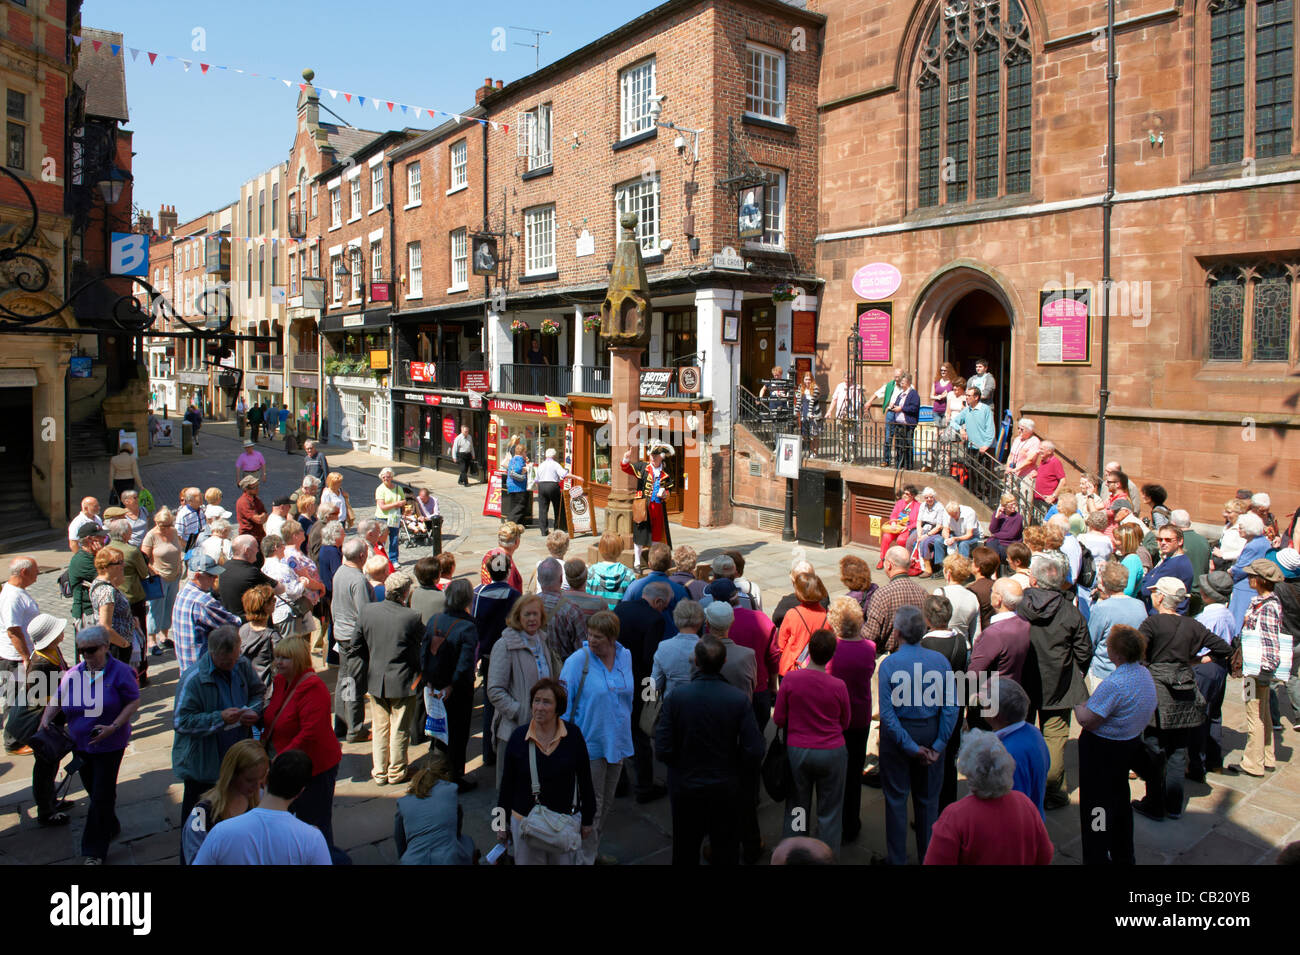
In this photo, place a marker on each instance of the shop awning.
(349, 321)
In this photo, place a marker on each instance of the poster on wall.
(1064, 327)
(804, 337)
(788, 456)
(875, 321)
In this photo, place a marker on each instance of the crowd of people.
(1111, 613)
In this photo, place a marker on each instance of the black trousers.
(465, 458)
(191, 794)
(706, 812)
(855, 741)
(548, 497)
(643, 756)
(99, 776)
(1205, 748)
(316, 804)
(1105, 815)
(948, 791)
(43, 775)
(460, 715)
(350, 690)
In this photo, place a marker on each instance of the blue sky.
(197, 137)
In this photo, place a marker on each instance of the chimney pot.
(487, 81)
(500, 84)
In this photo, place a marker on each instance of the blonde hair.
(515, 619)
(305, 500)
(610, 546)
(240, 758)
(375, 567)
(845, 618)
(294, 649)
(509, 533)
(212, 495)
(333, 480)
(959, 566)
(557, 543)
(164, 516)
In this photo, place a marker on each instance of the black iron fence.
(540, 380)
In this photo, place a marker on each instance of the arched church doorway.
(978, 326)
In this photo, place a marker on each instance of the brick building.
(260, 253)
(612, 128)
(964, 144)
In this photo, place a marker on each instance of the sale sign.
(492, 501)
(425, 371)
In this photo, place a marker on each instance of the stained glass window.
(1271, 314)
(1227, 309)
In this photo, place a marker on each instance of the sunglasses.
(1167, 540)
(88, 651)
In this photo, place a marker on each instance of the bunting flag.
(379, 102)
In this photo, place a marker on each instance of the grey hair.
(910, 624)
(550, 573)
(330, 531)
(1047, 446)
(898, 556)
(1047, 572)
(220, 528)
(310, 480)
(129, 492)
(1026, 423)
(688, 615)
(1059, 521)
(354, 549)
(658, 591)
(988, 767)
(1010, 592)
(326, 511)
(928, 492)
(397, 586)
(389, 472)
(223, 640)
(723, 566)
(270, 542)
(21, 565)
(95, 636)
(1248, 525)
(458, 594)
(120, 529)
(366, 526)
(1180, 519)
(1010, 698)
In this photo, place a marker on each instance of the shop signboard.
(655, 382)
(492, 500)
(578, 508)
(475, 381)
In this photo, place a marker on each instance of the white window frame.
(459, 260)
(539, 241)
(293, 275)
(535, 136)
(355, 197)
(633, 197)
(414, 270)
(376, 187)
(760, 62)
(337, 286)
(376, 259)
(414, 191)
(356, 265)
(775, 205)
(459, 152)
(336, 207)
(636, 85)
(315, 261)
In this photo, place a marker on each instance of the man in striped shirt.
(189, 516)
(197, 612)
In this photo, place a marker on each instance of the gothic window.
(1227, 307)
(1252, 72)
(1250, 311)
(1271, 314)
(975, 99)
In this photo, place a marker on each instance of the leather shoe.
(361, 739)
(20, 751)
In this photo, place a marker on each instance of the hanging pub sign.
(752, 199)
(688, 379)
(1064, 327)
(485, 255)
(381, 292)
(874, 327)
(655, 382)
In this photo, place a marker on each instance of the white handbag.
(545, 829)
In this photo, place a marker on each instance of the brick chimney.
(144, 224)
(166, 220)
(484, 90)
(500, 84)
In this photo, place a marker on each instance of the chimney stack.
(166, 219)
(500, 83)
(144, 223)
(483, 90)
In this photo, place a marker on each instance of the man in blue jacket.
(914, 729)
(902, 411)
(218, 701)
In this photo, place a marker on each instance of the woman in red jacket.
(299, 716)
(801, 622)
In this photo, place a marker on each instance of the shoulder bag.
(266, 734)
(577, 694)
(545, 829)
(777, 777)
(650, 710)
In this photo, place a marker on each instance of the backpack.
(1087, 568)
(65, 586)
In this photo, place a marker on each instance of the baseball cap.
(1266, 569)
(719, 614)
(204, 564)
(282, 501)
(722, 589)
(90, 529)
(1171, 587)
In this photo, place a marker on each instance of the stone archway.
(958, 293)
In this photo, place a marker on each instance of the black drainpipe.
(1107, 204)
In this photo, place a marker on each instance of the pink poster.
(874, 330)
(1064, 330)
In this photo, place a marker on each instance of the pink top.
(250, 461)
(897, 513)
(814, 708)
(1003, 831)
(1021, 457)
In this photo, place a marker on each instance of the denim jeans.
(392, 545)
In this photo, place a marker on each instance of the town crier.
(649, 506)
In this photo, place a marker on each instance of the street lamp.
(112, 183)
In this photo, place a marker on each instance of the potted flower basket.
(550, 326)
(591, 323)
(519, 325)
(784, 293)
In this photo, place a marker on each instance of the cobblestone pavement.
(1229, 819)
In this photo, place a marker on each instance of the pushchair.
(412, 531)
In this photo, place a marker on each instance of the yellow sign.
(875, 525)
(553, 409)
(379, 359)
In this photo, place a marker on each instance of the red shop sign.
(449, 429)
(474, 381)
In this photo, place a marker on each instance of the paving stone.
(1219, 848)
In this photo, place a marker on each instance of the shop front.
(427, 422)
(264, 388)
(303, 398)
(540, 425)
(193, 390)
(680, 424)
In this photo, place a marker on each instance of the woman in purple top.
(1006, 527)
(813, 708)
(854, 663)
(99, 696)
(942, 388)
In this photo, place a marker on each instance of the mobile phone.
(496, 853)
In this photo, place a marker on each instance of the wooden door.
(757, 343)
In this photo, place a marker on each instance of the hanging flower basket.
(591, 323)
(785, 293)
(519, 325)
(550, 326)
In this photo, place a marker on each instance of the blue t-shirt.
(1028, 748)
(264, 837)
(520, 464)
(1120, 609)
(1125, 700)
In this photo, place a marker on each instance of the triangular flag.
(288, 84)
(152, 58)
(188, 64)
(135, 53)
(203, 67)
(334, 94)
(76, 40)
(96, 44)
(361, 100)
(347, 97)
(494, 127)
(377, 103)
(416, 110)
(403, 105)
(115, 48)
(170, 58)
(316, 90)
(456, 117)
(220, 67)
(505, 128)
(237, 69)
(303, 87)
(390, 106)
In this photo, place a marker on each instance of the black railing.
(439, 374)
(553, 380)
(594, 381)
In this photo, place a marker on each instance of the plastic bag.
(435, 722)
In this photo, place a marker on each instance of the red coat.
(1003, 831)
(307, 723)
